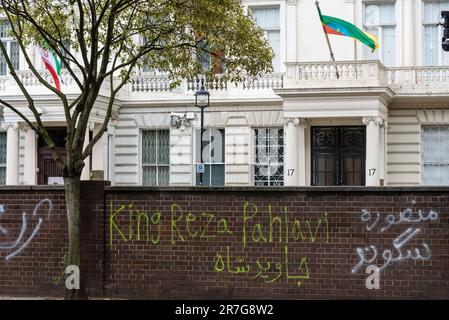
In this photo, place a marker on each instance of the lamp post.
(202, 97)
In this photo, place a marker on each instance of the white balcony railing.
(161, 83)
(402, 80)
(419, 76)
(335, 74)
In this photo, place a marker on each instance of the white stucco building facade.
(383, 121)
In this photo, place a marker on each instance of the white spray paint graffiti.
(368, 255)
(19, 245)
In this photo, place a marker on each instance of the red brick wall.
(200, 256)
(212, 251)
(32, 269)
(40, 257)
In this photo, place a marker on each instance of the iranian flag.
(53, 65)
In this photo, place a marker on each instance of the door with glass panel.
(155, 157)
(338, 156)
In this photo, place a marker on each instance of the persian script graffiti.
(127, 223)
(20, 243)
(400, 250)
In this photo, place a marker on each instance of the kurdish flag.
(332, 25)
(53, 65)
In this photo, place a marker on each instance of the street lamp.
(202, 101)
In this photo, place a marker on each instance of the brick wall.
(29, 263)
(233, 243)
(203, 246)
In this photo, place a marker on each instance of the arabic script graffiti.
(20, 243)
(401, 244)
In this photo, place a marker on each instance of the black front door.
(338, 156)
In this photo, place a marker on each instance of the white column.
(12, 155)
(372, 150)
(382, 153)
(291, 152)
(409, 33)
(85, 174)
(97, 151)
(238, 169)
(301, 145)
(290, 17)
(30, 157)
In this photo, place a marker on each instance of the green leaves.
(172, 29)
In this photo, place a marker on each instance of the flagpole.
(327, 39)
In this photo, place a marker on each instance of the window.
(213, 157)
(268, 20)
(379, 19)
(215, 63)
(155, 157)
(65, 54)
(2, 158)
(433, 55)
(338, 156)
(146, 67)
(435, 155)
(269, 157)
(11, 46)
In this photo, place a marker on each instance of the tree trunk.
(73, 199)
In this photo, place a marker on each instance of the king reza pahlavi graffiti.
(253, 228)
(292, 238)
(262, 226)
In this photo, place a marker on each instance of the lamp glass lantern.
(202, 97)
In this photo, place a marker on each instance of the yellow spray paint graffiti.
(257, 227)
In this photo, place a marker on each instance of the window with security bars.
(269, 157)
(155, 157)
(435, 155)
(2, 158)
(11, 46)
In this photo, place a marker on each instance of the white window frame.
(254, 155)
(439, 36)
(7, 41)
(197, 145)
(380, 29)
(141, 164)
(444, 163)
(282, 34)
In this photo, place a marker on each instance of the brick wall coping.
(31, 188)
(241, 189)
(277, 189)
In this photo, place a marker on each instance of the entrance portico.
(307, 110)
